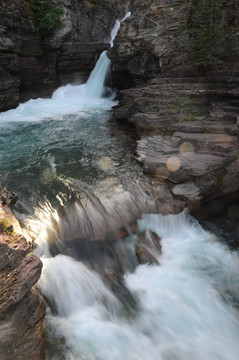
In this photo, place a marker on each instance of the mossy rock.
(5, 227)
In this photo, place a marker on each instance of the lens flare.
(223, 138)
(186, 149)
(162, 172)
(173, 163)
(105, 163)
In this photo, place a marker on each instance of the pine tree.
(46, 14)
(211, 36)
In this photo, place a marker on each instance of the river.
(71, 167)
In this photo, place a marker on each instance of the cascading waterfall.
(185, 307)
(95, 84)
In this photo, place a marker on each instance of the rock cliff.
(187, 121)
(33, 64)
(22, 327)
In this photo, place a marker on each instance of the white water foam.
(66, 100)
(185, 311)
(83, 288)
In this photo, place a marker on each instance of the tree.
(212, 37)
(46, 14)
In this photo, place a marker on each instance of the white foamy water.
(185, 311)
(66, 100)
(80, 287)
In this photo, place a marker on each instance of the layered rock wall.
(156, 40)
(187, 122)
(16, 30)
(83, 35)
(22, 311)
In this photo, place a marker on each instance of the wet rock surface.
(147, 41)
(187, 135)
(148, 248)
(187, 123)
(108, 214)
(22, 327)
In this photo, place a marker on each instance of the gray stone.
(188, 190)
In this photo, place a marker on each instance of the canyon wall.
(34, 63)
(186, 116)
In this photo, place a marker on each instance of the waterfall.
(69, 99)
(95, 84)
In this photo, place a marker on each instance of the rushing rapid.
(185, 307)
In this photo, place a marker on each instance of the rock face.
(115, 218)
(187, 123)
(84, 35)
(146, 43)
(11, 48)
(154, 41)
(32, 65)
(22, 328)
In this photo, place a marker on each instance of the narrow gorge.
(119, 187)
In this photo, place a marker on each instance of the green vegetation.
(46, 15)
(5, 227)
(212, 39)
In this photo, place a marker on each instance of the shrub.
(5, 228)
(46, 15)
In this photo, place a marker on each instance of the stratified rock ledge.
(187, 122)
(22, 311)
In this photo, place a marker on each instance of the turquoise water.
(38, 155)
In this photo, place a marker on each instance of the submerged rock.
(148, 248)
